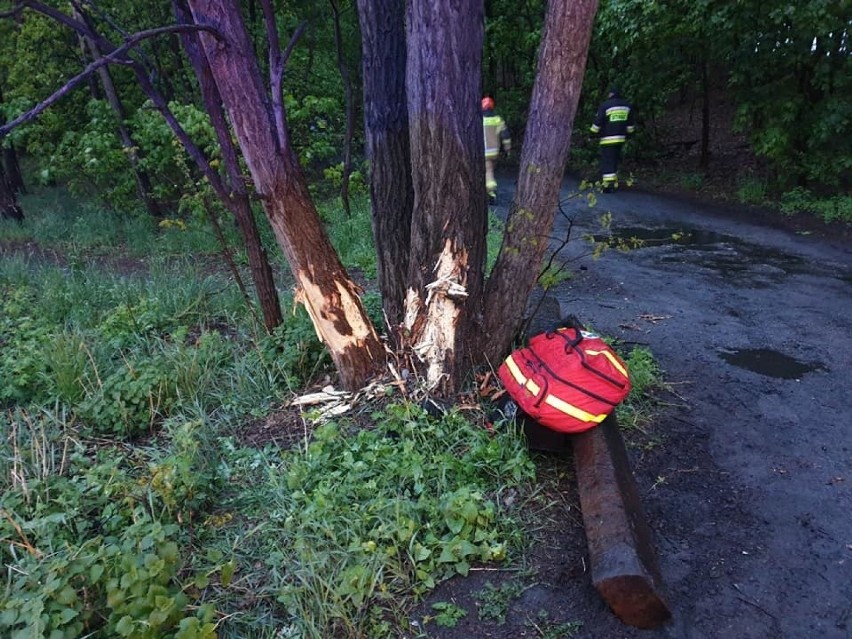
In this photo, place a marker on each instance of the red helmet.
(487, 103)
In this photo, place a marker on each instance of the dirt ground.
(746, 476)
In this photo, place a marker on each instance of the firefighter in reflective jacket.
(497, 139)
(614, 122)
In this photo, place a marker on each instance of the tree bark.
(349, 107)
(704, 158)
(388, 147)
(238, 203)
(329, 295)
(9, 208)
(445, 274)
(559, 79)
(11, 168)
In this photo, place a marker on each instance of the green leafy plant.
(547, 629)
(494, 602)
(449, 614)
(751, 190)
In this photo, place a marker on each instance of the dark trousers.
(610, 157)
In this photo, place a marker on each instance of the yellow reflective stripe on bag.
(572, 411)
(551, 400)
(611, 358)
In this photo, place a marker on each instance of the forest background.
(141, 394)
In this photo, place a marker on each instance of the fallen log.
(623, 561)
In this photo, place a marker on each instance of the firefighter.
(614, 123)
(497, 140)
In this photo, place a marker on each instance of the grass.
(133, 501)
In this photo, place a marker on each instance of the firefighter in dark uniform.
(614, 123)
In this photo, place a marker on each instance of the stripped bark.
(445, 274)
(328, 293)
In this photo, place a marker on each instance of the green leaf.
(124, 627)
(228, 570)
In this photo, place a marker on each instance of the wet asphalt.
(749, 488)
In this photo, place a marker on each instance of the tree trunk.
(9, 208)
(386, 132)
(349, 106)
(704, 158)
(238, 202)
(329, 295)
(448, 229)
(143, 182)
(11, 168)
(559, 79)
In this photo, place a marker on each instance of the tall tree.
(259, 123)
(559, 78)
(388, 148)
(451, 319)
(447, 258)
(237, 200)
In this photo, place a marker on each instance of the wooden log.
(623, 561)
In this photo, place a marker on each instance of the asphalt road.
(749, 489)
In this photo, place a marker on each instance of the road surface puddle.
(725, 254)
(769, 362)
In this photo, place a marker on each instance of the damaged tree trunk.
(445, 275)
(323, 286)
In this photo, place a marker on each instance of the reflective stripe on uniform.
(613, 139)
(594, 128)
(610, 177)
(551, 400)
(617, 113)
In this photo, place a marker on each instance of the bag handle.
(571, 321)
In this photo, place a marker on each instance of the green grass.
(125, 390)
(134, 501)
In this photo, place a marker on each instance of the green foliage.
(645, 379)
(92, 555)
(547, 629)
(449, 614)
(835, 208)
(751, 190)
(493, 602)
(425, 513)
(352, 235)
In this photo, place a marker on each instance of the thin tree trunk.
(143, 182)
(9, 208)
(445, 275)
(388, 148)
(11, 167)
(559, 79)
(704, 159)
(328, 293)
(238, 203)
(349, 106)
